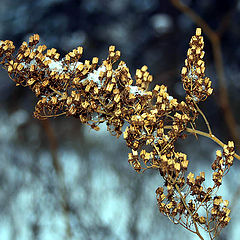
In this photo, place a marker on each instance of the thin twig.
(211, 136)
(205, 119)
(215, 139)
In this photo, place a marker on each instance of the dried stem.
(208, 135)
(205, 119)
(215, 139)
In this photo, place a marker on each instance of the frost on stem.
(100, 92)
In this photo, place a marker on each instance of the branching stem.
(182, 199)
(208, 135)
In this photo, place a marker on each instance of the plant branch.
(218, 60)
(182, 198)
(208, 135)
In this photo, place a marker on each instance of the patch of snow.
(56, 66)
(33, 62)
(135, 90)
(94, 76)
(192, 74)
(170, 98)
(195, 99)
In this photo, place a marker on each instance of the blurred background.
(61, 180)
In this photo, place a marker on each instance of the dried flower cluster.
(200, 203)
(196, 85)
(153, 120)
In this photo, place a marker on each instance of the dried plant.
(153, 120)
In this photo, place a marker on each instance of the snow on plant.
(153, 120)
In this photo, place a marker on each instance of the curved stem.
(55, 115)
(205, 119)
(208, 135)
(211, 136)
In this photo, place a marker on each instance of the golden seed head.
(112, 48)
(198, 31)
(95, 60)
(144, 68)
(184, 71)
